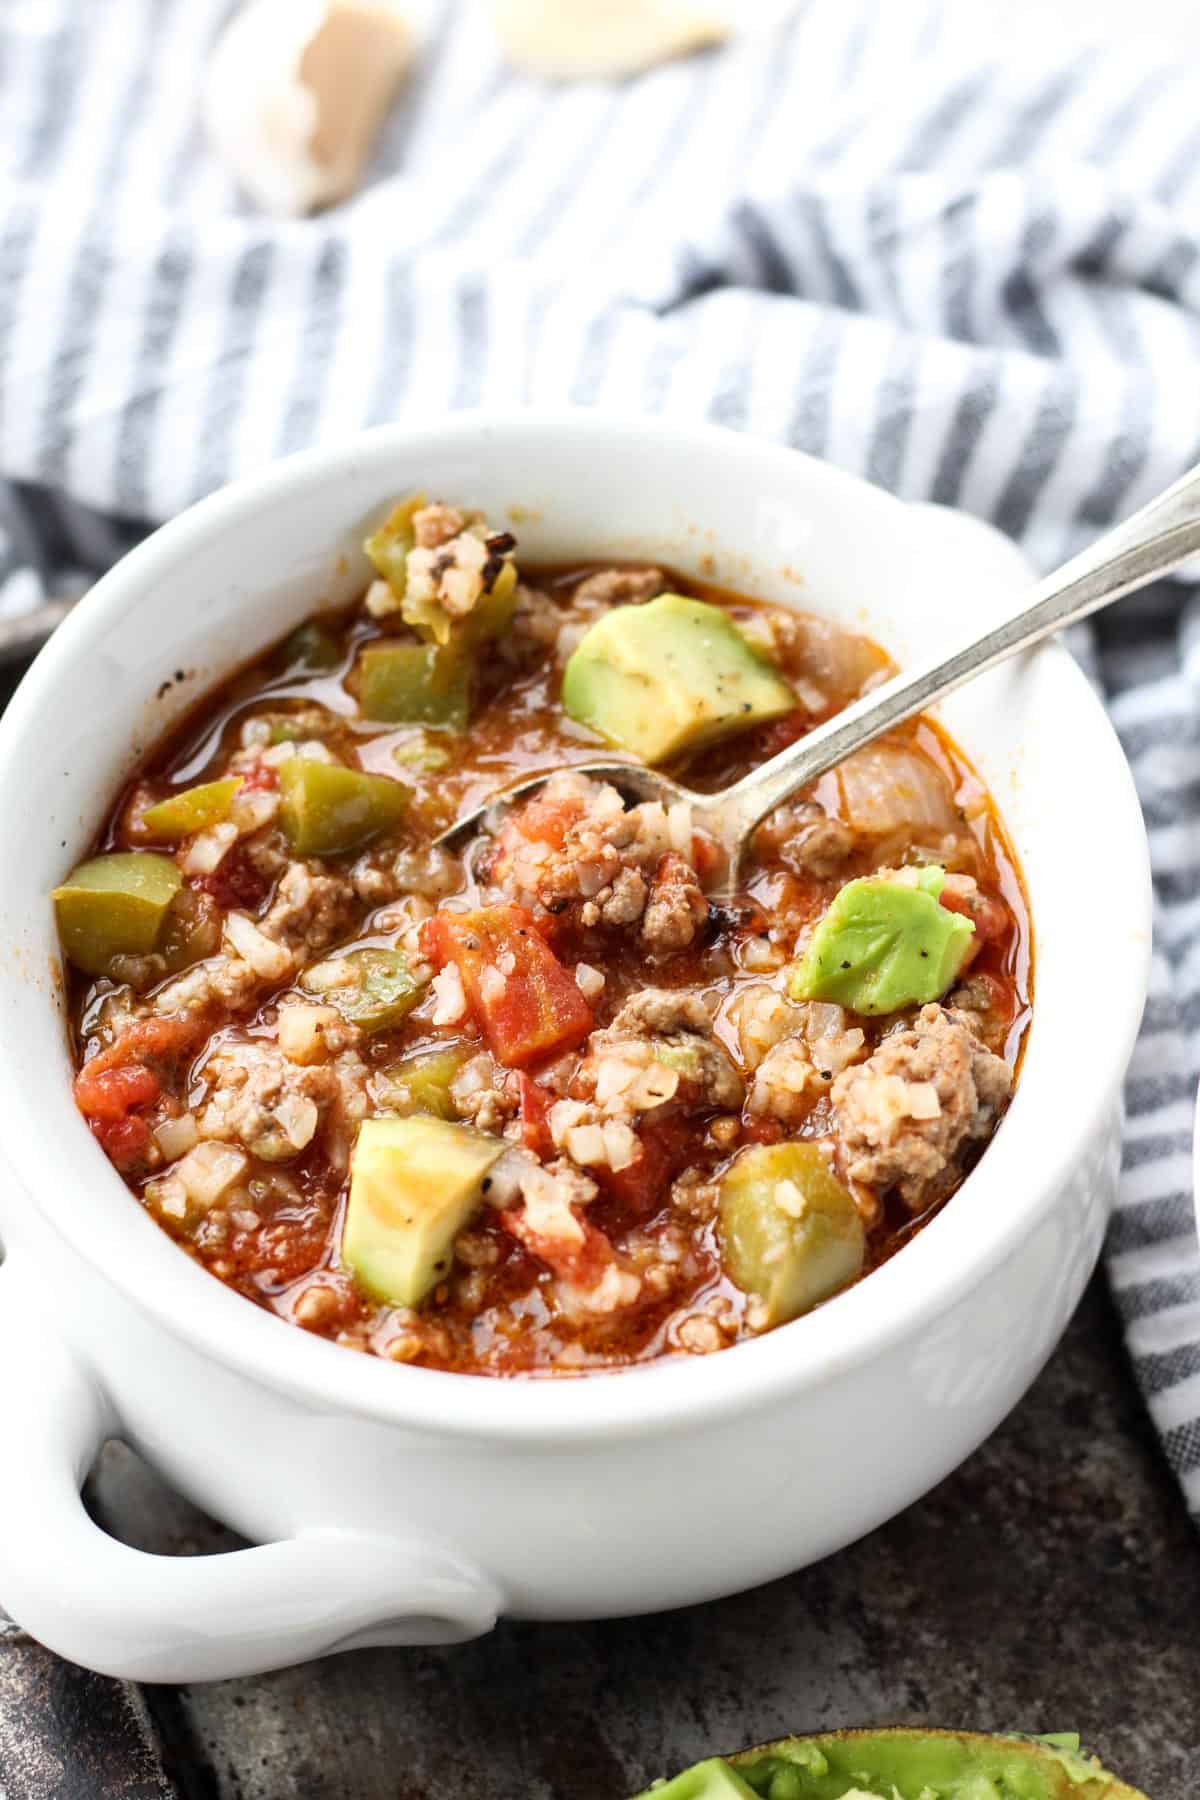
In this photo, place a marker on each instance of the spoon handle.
(1154, 541)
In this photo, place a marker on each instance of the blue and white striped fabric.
(975, 280)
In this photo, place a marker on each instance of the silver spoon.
(1154, 541)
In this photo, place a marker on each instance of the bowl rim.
(141, 1263)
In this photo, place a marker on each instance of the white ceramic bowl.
(401, 1505)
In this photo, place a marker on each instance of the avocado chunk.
(414, 1184)
(906, 1764)
(374, 988)
(326, 810)
(790, 1233)
(884, 944)
(669, 676)
(192, 809)
(114, 906)
(711, 1780)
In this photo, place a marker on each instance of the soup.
(542, 1106)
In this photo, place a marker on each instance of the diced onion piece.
(886, 788)
(175, 1137)
(303, 1030)
(250, 810)
(450, 1000)
(208, 848)
(585, 1145)
(548, 1206)
(838, 662)
(381, 600)
(298, 1118)
(589, 981)
(621, 1145)
(492, 985)
(208, 1170)
(679, 825)
(267, 958)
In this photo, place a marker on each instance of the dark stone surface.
(1052, 1583)
(69, 1735)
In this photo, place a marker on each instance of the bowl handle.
(144, 1617)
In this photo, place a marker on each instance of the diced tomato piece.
(123, 1141)
(147, 1044)
(707, 856)
(525, 1003)
(535, 1107)
(771, 739)
(544, 821)
(111, 1095)
(762, 1131)
(114, 1089)
(990, 914)
(259, 775)
(235, 882)
(640, 1189)
(581, 1262)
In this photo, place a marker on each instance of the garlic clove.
(565, 40)
(296, 92)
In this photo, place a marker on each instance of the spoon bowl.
(1153, 542)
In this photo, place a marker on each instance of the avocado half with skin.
(900, 1764)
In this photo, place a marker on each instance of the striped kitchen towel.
(974, 278)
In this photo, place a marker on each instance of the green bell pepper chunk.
(418, 753)
(415, 684)
(882, 945)
(312, 649)
(388, 547)
(373, 987)
(327, 810)
(420, 1082)
(114, 906)
(194, 809)
(494, 613)
(790, 1232)
(489, 618)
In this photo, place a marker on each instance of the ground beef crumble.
(907, 1114)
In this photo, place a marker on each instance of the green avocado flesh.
(669, 676)
(711, 1780)
(882, 945)
(902, 1765)
(414, 1184)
